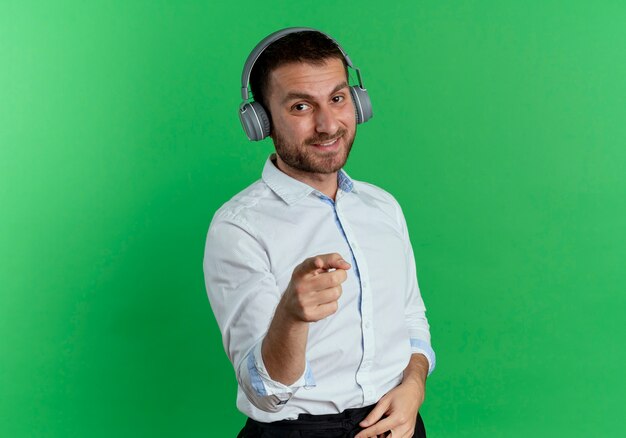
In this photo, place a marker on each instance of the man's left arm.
(415, 310)
(399, 406)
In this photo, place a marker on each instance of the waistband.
(347, 418)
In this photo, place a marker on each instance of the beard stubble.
(306, 159)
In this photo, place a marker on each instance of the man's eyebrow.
(296, 95)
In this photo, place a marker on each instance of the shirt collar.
(290, 189)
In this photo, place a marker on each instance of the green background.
(499, 126)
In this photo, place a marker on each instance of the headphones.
(254, 118)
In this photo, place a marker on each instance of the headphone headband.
(268, 40)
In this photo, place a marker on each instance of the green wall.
(499, 126)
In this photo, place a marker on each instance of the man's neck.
(323, 182)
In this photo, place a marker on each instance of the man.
(310, 274)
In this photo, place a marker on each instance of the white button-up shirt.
(354, 356)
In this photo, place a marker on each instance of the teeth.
(329, 143)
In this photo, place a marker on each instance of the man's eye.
(338, 99)
(300, 106)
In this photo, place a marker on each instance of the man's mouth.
(327, 144)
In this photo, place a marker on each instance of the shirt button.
(367, 324)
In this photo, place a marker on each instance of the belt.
(347, 419)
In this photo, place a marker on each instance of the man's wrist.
(417, 370)
(285, 320)
(414, 382)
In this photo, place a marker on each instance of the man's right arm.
(264, 332)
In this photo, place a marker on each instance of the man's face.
(313, 120)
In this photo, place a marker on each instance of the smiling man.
(310, 273)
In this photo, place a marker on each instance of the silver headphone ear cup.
(362, 104)
(263, 117)
(254, 120)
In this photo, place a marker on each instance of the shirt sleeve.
(243, 294)
(415, 313)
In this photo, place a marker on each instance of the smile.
(328, 144)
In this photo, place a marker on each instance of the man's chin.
(330, 165)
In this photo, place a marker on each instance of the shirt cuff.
(269, 394)
(423, 347)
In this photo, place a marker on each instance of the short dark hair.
(306, 46)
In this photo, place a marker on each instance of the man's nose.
(326, 120)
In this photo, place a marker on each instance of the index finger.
(324, 262)
(382, 426)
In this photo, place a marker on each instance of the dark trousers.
(343, 425)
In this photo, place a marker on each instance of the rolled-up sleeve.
(265, 393)
(415, 313)
(243, 295)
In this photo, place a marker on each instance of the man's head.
(302, 82)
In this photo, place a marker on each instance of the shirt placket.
(364, 373)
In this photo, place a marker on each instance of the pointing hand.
(315, 287)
